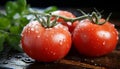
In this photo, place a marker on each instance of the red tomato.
(45, 44)
(68, 14)
(95, 40)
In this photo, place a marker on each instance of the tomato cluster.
(46, 44)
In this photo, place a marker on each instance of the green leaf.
(2, 39)
(22, 5)
(23, 22)
(12, 23)
(15, 30)
(11, 9)
(50, 9)
(14, 42)
(4, 23)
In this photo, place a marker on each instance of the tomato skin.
(68, 14)
(46, 44)
(95, 40)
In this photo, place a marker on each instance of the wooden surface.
(71, 61)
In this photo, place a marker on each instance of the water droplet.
(66, 29)
(46, 48)
(29, 25)
(69, 23)
(36, 27)
(113, 25)
(92, 61)
(85, 59)
(92, 29)
(27, 60)
(54, 53)
(97, 39)
(104, 43)
(95, 64)
(117, 38)
(84, 36)
(38, 36)
(60, 42)
(5, 62)
(28, 31)
(18, 56)
(56, 27)
(32, 29)
(48, 29)
(37, 31)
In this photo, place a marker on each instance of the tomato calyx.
(95, 17)
(46, 20)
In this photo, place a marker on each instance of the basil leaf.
(14, 42)
(50, 9)
(4, 23)
(2, 40)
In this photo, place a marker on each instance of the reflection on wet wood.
(71, 61)
(110, 61)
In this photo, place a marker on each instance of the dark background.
(112, 5)
(106, 5)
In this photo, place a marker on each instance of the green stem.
(63, 17)
(54, 22)
(48, 21)
(37, 18)
(95, 18)
(97, 12)
(72, 19)
(82, 11)
(44, 23)
(106, 19)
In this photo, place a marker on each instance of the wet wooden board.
(71, 61)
